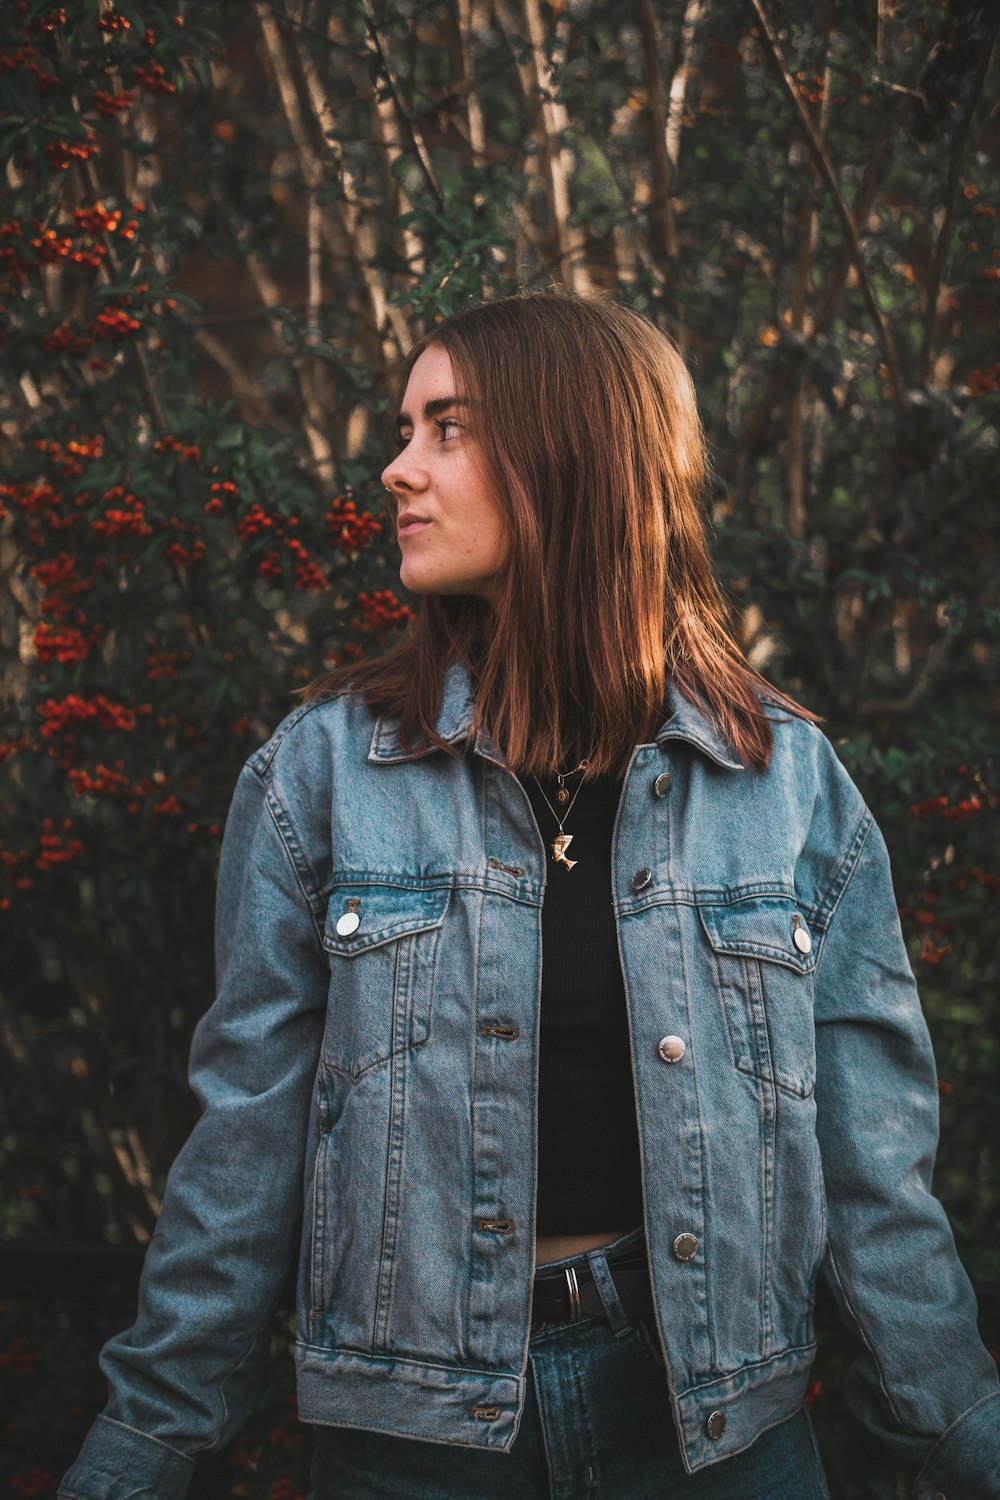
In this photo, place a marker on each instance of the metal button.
(715, 1425)
(671, 1048)
(641, 878)
(348, 923)
(685, 1247)
(800, 935)
(663, 783)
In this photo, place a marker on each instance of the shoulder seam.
(828, 906)
(296, 858)
(261, 758)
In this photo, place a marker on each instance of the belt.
(570, 1294)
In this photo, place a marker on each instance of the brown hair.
(596, 450)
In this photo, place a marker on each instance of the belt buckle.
(575, 1313)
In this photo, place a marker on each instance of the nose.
(404, 474)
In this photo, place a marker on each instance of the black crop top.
(588, 1143)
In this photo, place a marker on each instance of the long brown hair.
(586, 420)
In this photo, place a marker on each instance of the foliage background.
(221, 227)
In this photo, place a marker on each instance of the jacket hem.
(118, 1462)
(405, 1398)
(439, 1403)
(750, 1399)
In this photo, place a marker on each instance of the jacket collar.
(684, 721)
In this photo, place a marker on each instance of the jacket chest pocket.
(765, 957)
(382, 943)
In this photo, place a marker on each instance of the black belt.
(570, 1294)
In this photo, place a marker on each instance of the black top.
(588, 1142)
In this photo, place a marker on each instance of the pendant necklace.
(562, 841)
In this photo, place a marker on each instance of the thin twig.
(941, 248)
(822, 159)
(405, 119)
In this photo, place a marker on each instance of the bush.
(221, 228)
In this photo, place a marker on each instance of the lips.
(410, 522)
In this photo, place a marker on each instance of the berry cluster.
(114, 323)
(188, 453)
(58, 576)
(221, 491)
(108, 106)
(182, 557)
(54, 851)
(58, 715)
(62, 644)
(65, 340)
(350, 530)
(154, 78)
(382, 609)
(62, 154)
(124, 516)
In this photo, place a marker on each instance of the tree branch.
(932, 321)
(410, 130)
(822, 159)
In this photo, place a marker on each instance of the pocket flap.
(383, 912)
(762, 927)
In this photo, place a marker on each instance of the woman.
(558, 1226)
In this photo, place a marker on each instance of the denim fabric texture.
(368, 1072)
(596, 1426)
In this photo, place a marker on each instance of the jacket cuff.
(964, 1463)
(119, 1463)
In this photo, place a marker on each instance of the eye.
(444, 422)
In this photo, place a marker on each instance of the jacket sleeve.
(922, 1380)
(183, 1379)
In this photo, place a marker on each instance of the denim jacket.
(368, 1081)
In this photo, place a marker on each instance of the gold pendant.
(560, 844)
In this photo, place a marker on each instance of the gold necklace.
(562, 841)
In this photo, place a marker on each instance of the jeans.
(596, 1425)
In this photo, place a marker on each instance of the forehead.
(432, 375)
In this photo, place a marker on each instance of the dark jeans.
(596, 1425)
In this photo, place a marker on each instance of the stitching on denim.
(262, 757)
(703, 1155)
(403, 996)
(278, 815)
(261, 1326)
(828, 905)
(767, 1113)
(859, 1330)
(523, 892)
(318, 1230)
(991, 1396)
(430, 938)
(330, 1355)
(147, 1437)
(473, 1080)
(707, 1387)
(397, 927)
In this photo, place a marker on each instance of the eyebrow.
(434, 408)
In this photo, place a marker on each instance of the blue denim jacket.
(369, 1102)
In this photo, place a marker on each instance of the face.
(452, 533)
